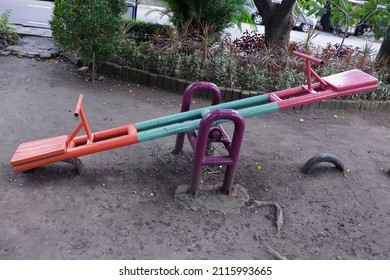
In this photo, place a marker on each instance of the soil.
(5, 41)
(124, 206)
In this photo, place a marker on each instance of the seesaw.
(202, 126)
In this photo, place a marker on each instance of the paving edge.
(129, 74)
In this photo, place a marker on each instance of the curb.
(129, 74)
(29, 29)
(20, 52)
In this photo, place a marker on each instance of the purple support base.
(233, 147)
(208, 133)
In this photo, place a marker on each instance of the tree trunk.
(383, 56)
(278, 21)
(93, 66)
(277, 30)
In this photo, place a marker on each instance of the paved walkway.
(33, 30)
(35, 42)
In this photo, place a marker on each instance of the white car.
(301, 20)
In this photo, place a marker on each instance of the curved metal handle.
(308, 57)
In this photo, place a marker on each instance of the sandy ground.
(123, 207)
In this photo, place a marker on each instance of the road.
(322, 39)
(38, 13)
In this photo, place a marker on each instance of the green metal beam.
(176, 128)
(197, 113)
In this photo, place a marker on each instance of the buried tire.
(323, 157)
(78, 164)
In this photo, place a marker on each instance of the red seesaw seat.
(34, 150)
(350, 80)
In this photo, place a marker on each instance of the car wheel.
(257, 18)
(337, 31)
(304, 27)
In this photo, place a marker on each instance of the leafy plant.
(310, 36)
(92, 28)
(377, 13)
(250, 43)
(199, 13)
(247, 63)
(289, 78)
(5, 29)
(143, 30)
(344, 14)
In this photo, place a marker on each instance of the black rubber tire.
(77, 163)
(323, 157)
(257, 18)
(304, 27)
(336, 31)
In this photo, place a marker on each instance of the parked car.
(358, 29)
(301, 20)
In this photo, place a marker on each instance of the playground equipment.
(206, 120)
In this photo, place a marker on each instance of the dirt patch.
(123, 207)
(6, 41)
(212, 200)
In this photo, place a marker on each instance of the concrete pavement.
(31, 30)
(35, 42)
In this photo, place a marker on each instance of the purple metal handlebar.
(186, 103)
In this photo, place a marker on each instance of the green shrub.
(143, 31)
(289, 78)
(381, 94)
(92, 28)
(236, 65)
(224, 69)
(216, 15)
(6, 30)
(251, 78)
